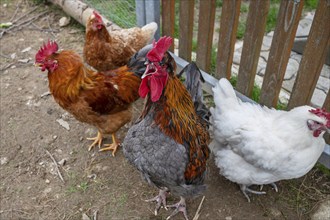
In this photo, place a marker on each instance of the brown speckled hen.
(106, 50)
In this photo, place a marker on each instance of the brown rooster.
(102, 100)
(169, 143)
(106, 50)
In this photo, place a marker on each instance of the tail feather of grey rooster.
(193, 83)
(137, 61)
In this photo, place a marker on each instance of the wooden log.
(186, 25)
(255, 28)
(168, 19)
(316, 49)
(285, 31)
(227, 37)
(205, 34)
(81, 12)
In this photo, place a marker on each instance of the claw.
(97, 141)
(179, 207)
(160, 200)
(245, 189)
(115, 144)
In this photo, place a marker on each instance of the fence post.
(140, 10)
(153, 9)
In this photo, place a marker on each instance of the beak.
(150, 66)
(37, 64)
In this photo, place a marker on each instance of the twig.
(7, 66)
(42, 29)
(52, 32)
(56, 165)
(198, 209)
(5, 56)
(23, 23)
(17, 7)
(32, 10)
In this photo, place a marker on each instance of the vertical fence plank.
(255, 28)
(315, 51)
(227, 37)
(286, 27)
(186, 29)
(205, 33)
(168, 19)
(326, 104)
(140, 10)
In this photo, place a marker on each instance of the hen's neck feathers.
(70, 77)
(103, 35)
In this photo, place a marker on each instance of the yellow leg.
(113, 146)
(97, 141)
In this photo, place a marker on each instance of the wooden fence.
(288, 18)
(313, 59)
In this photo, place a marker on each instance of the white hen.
(257, 145)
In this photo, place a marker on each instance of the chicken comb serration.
(322, 113)
(156, 54)
(97, 15)
(46, 50)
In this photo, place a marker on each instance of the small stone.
(13, 55)
(81, 139)
(21, 39)
(45, 94)
(92, 176)
(19, 88)
(228, 218)
(64, 21)
(24, 60)
(47, 181)
(50, 111)
(85, 217)
(275, 212)
(55, 137)
(5, 5)
(62, 162)
(26, 49)
(63, 123)
(323, 212)
(13, 67)
(3, 160)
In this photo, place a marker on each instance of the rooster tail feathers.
(224, 95)
(193, 83)
(137, 61)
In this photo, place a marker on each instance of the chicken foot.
(179, 207)
(160, 199)
(246, 190)
(273, 185)
(97, 141)
(113, 146)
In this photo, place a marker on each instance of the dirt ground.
(95, 183)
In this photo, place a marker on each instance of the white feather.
(258, 145)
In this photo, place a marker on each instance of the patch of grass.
(323, 169)
(311, 4)
(241, 29)
(244, 8)
(71, 189)
(83, 186)
(121, 13)
(272, 17)
(122, 199)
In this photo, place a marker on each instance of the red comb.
(322, 113)
(46, 50)
(97, 15)
(156, 54)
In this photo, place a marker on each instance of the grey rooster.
(169, 142)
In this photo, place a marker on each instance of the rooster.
(255, 145)
(106, 50)
(169, 142)
(96, 98)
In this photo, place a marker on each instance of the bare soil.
(96, 182)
